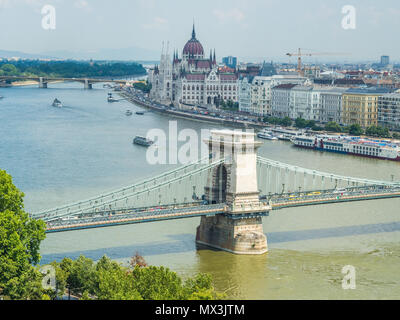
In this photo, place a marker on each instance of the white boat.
(128, 112)
(266, 134)
(380, 149)
(285, 134)
(57, 103)
(111, 98)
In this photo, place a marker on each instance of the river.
(85, 148)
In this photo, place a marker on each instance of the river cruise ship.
(380, 149)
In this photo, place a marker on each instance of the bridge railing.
(144, 189)
(158, 214)
(324, 177)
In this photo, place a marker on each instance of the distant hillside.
(69, 69)
(5, 54)
(124, 54)
(127, 54)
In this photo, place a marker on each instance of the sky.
(248, 29)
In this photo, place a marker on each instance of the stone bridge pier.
(234, 183)
(42, 82)
(88, 84)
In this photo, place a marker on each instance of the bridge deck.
(330, 198)
(129, 218)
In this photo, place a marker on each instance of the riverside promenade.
(139, 98)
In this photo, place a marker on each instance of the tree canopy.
(69, 69)
(109, 280)
(20, 238)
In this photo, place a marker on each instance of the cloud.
(157, 23)
(233, 14)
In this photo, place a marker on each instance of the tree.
(116, 284)
(377, 131)
(301, 123)
(9, 69)
(356, 130)
(20, 238)
(82, 275)
(333, 127)
(396, 135)
(286, 122)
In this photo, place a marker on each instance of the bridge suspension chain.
(140, 191)
(304, 177)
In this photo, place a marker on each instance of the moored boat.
(111, 98)
(143, 141)
(285, 134)
(128, 112)
(266, 134)
(380, 149)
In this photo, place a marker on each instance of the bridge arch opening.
(219, 185)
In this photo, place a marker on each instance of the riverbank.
(190, 116)
(30, 83)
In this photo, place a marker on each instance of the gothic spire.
(193, 32)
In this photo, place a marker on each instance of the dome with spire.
(193, 48)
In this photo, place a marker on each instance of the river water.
(61, 155)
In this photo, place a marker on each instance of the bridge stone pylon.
(234, 182)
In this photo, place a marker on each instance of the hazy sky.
(247, 29)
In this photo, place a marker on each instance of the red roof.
(228, 76)
(192, 76)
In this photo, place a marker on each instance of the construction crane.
(300, 54)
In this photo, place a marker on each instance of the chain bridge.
(231, 191)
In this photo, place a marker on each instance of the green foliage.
(396, 135)
(145, 87)
(228, 105)
(70, 69)
(378, 131)
(301, 123)
(9, 69)
(333, 127)
(81, 275)
(286, 122)
(355, 129)
(109, 280)
(20, 238)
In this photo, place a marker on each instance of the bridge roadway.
(45, 79)
(149, 215)
(129, 216)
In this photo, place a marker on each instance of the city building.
(255, 94)
(330, 104)
(193, 79)
(389, 111)
(360, 106)
(245, 96)
(280, 100)
(230, 62)
(385, 60)
(304, 103)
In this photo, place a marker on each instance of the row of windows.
(213, 87)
